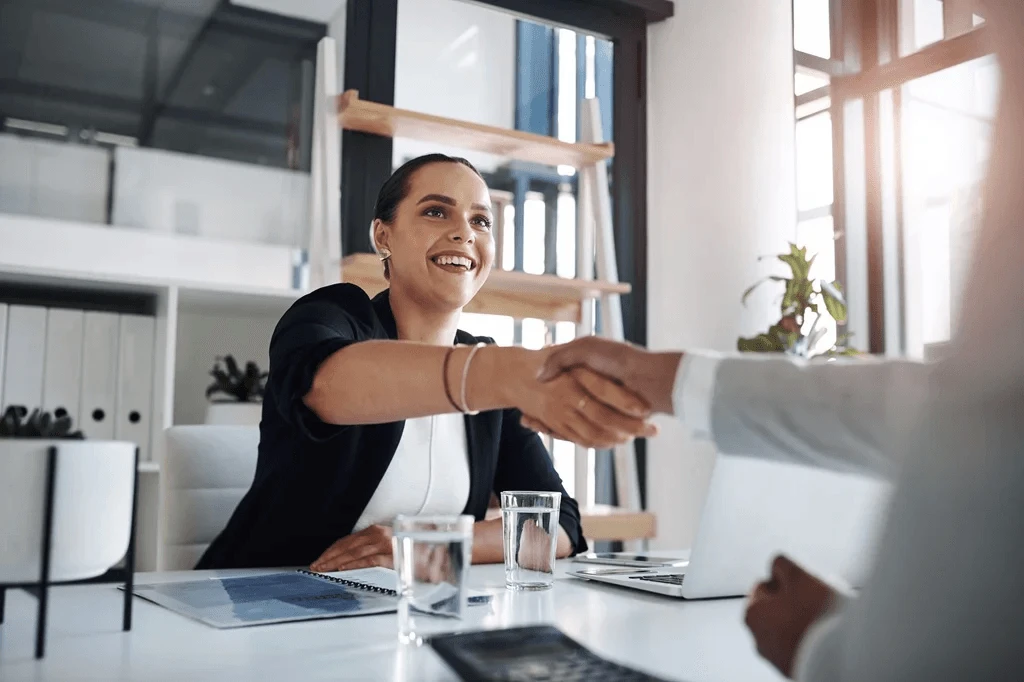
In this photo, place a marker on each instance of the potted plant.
(803, 296)
(236, 394)
(69, 505)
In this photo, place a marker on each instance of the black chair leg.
(44, 568)
(129, 581)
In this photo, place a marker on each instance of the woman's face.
(440, 240)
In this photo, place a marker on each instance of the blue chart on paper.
(271, 598)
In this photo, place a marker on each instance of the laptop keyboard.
(669, 579)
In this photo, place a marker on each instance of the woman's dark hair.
(396, 188)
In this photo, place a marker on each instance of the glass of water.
(530, 527)
(432, 556)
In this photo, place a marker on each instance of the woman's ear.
(379, 234)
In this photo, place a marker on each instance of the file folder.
(100, 336)
(62, 378)
(133, 416)
(25, 353)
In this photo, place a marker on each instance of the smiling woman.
(379, 407)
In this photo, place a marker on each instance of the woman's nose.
(462, 232)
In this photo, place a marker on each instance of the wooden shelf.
(516, 294)
(604, 522)
(387, 121)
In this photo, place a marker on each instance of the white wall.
(722, 193)
(458, 60)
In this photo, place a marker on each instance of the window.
(811, 27)
(926, 22)
(207, 78)
(941, 191)
(914, 145)
(812, 41)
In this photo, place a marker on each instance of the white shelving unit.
(211, 297)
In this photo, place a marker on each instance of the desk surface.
(693, 641)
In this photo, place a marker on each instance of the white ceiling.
(313, 10)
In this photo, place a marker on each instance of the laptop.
(826, 521)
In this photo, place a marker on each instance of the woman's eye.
(483, 222)
(434, 213)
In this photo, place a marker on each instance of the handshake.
(593, 391)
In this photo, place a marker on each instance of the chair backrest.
(93, 489)
(205, 473)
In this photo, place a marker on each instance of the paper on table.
(273, 598)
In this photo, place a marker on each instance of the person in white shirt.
(945, 600)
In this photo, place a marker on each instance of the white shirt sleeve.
(693, 391)
(844, 415)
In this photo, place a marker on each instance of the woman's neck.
(416, 323)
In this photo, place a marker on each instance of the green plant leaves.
(775, 340)
(797, 261)
(799, 296)
(835, 303)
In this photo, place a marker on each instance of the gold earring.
(384, 255)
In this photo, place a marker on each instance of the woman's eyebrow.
(443, 199)
(440, 198)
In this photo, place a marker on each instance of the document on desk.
(282, 597)
(261, 599)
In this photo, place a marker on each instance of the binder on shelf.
(100, 337)
(25, 353)
(3, 351)
(62, 378)
(133, 405)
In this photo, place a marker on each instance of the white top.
(701, 641)
(943, 602)
(429, 473)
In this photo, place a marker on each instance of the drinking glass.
(432, 557)
(530, 528)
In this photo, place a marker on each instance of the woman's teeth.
(459, 261)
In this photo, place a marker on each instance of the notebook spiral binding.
(352, 583)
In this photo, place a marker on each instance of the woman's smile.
(454, 262)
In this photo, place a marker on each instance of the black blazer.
(313, 480)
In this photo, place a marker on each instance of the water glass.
(432, 556)
(530, 527)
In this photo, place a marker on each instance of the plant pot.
(234, 413)
(93, 489)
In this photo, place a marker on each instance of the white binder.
(3, 347)
(99, 375)
(133, 414)
(26, 343)
(62, 379)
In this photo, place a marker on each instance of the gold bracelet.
(465, 376)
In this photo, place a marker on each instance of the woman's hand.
(582, 406)
(369, 547)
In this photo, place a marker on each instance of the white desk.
(693, 641)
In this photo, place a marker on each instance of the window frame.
(868, 178)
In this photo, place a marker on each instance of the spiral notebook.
(286, 596)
